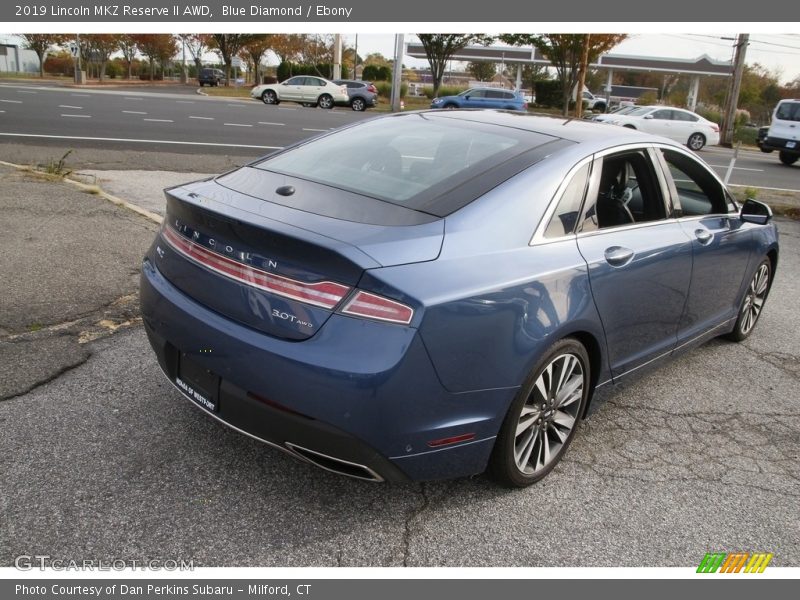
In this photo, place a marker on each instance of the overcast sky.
(775, 51)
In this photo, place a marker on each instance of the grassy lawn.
(228, 92)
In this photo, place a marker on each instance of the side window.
(568, 209)
(494, 94)
(509, 96)
(665, 115)
(296, 81)
(698, 190)
(678, 115)
(477, 94)
(628, 192)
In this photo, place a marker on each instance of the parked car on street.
(483, 98)
(594, 103)
(432, 294)
(677, 124)
(761, 137)
(783, 134)
(361, 94)
(211, 77)
(303, 89)
(619, 111)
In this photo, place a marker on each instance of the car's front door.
(475, 99)
(639, 257)
(292, 89)
(721, 243)
(659, 122)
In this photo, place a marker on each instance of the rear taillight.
(715, 127)
(326, 294)
(371, 306)
(372, 89)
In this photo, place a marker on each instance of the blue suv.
(483, 98)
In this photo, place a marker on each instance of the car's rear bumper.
(360, 398)
(776, 143)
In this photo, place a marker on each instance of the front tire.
(325, 101)
(787, 159)
(358, 105)
(544, 416)
(696, 141)
(269, 97)
(753, 302)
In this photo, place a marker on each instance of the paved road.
(144, 119)
(107, 460)
(171, 121)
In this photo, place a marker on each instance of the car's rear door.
(721, 243)
(639, 257)
(313, 88)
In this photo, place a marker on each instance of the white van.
(784, 132)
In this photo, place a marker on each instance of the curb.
(154, 217)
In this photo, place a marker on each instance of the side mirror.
(648, 117)
(466, 97)
(755, 212)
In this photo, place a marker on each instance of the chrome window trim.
(538, 237)
(699, 161)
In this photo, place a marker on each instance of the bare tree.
(127, 45)
(101, 47)
(197, 44)
(228, 45)
(40, 43)
(440, 48)
(565, 53)
(255, 49)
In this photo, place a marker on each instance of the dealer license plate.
(198, 383)
(791, 144)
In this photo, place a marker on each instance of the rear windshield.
(409, 160)
(788, 111)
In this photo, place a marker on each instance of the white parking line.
(203, 118)
(285, 108)
(237, 125)
(79, 116)
(132, 98)
(134, 112)
(159, 120)
(81, 95)
(136, 141)
(70, 106)
(736, 168)
(12, 101)
(236, 105)
(26, 92)
(268, 123)
(311, 129)
(185, 101)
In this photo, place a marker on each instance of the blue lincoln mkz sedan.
(430, 295)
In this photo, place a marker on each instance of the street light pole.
(398, 72)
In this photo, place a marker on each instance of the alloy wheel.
(754, 299)
(696, 141)
(549, 415)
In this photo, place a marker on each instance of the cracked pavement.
(103, 459)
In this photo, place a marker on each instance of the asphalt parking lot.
(103, 459)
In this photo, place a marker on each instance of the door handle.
(703, 236)
(617, 256)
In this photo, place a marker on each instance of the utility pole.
(337, 56)
(355, 60)
(398, 72)
(733, 96)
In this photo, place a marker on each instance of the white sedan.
(305, 89)
(676, 124)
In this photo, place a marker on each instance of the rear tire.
(753, 302)
(544, 416)
(787, 159)
(696, 141)
(325, 101)
(358, 105)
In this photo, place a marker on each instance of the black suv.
(210, 77)
(361, 94)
